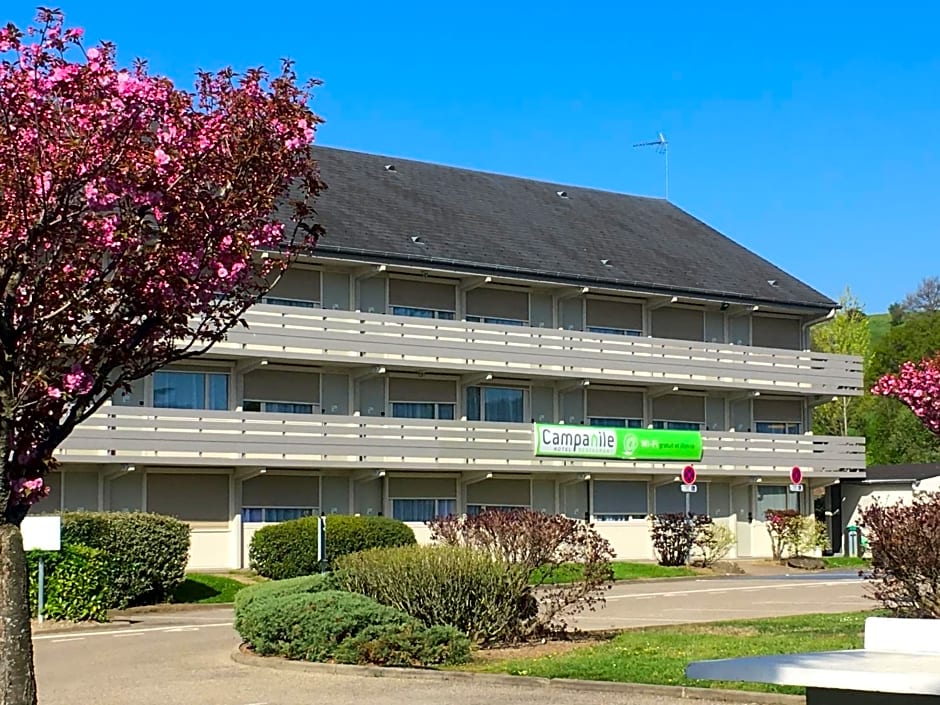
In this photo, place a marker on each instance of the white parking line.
(112, 632)
(748, 588)
(62, 641)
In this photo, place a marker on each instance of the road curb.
(247, 658)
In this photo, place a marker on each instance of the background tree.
(924, 299)
(131, 213)
(846, 334)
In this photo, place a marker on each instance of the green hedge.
(147, 553)
(246, 598)
(479, 594)
(289, 549)
(76, 585)
(343, 627)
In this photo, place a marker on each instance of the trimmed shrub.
(540, 544)
(289, 549)
(906, 555)
(674, 536)
(346, 628)
(76, 583)
(147, 553)
(479, 594)
(274, 590)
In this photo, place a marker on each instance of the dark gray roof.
(911, 471)
(492, 224)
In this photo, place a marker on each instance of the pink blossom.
(77, 381)
(161, 156)
(93, 54)
(54, 392)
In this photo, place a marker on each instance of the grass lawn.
(622, 571)
(202, 589)
(847, 562)
(659, 655)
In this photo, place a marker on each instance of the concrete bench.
(899, 665)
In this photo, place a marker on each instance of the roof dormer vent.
(390, 167)
(561, 194)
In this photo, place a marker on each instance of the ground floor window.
(775, 497)
(422, 509)
(783, 427)
(276, 514)
(620, 500)
(670, 499)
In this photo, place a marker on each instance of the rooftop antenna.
(662, 147)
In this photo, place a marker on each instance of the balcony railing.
(229, 439)
(333, 336)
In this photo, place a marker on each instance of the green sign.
(617, 443)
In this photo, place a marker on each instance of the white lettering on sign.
(587, 442)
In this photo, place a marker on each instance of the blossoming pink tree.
(917, 386)
(131, 218)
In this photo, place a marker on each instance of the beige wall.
(630, 540)
(189, 497)
(282, 385)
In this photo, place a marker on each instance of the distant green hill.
(878, 325)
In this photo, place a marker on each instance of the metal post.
(42, 588)
(688, 527)
(321, 542)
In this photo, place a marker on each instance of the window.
(296, 303)
(190, 390)
(474, 509)
(422, 509)
(678, 425)
(614, 331)
(496, 320)
(423, 410)
(280, 407)
(670, 499)
(416, 312)
(613, 422)
(620, 500)
(785, 427)
(775, 497)
(495, 404)
(276, 514)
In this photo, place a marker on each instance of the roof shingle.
(489, 223)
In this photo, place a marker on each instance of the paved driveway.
(185, 657)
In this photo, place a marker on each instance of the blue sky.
(809, 132)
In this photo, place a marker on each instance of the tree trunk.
(17, 677)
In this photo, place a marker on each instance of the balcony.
(231, 439)
(344, 337)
